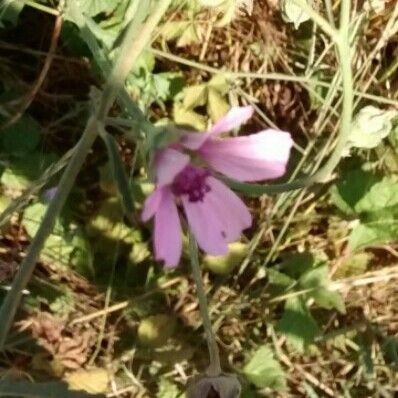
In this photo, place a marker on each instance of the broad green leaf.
(263, 370)
(120, 175)
(93, 381)
(194, 96)
(351, 188)
(27, 389)
(373, 233)
(22, 170)
(21, 137)
(186, 117)
(217, 106)
(318, 280)
(381, 195)
(297, 324)
(65, 246)
(293, 13)
(370, 126)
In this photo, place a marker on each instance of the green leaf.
(167, 389)
(22, 137)
(95, 7)
(297, 324)
(380, 196)
(351, 188)
(263, 370)
(10, 10)
(65, 246)
(194, 96)
(217, 106)
(370, 126)
(293, 13)
(120, 175)
(12, 388)
(354, 265)
(186, 117)
(173, 29)
(373, 233)
(318, 280)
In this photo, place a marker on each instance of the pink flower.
(215, 214)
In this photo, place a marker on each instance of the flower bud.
(223, 386)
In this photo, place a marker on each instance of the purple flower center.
(192, 182)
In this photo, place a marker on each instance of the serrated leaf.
(217, 107)
(370, 126)
(263, 370)
(22, 137)
(93, 381)
(12, 388)
(293, 13)
(297, 324)
(120, 175)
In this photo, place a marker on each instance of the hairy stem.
(214, 368)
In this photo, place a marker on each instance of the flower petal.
(256, 157)
(217, 220)
(234, 118)
(167, 240)
(229, 208)
(151, 204)
(207, 229)
(168, 163)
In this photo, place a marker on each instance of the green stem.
(131, 49)
(214, 368)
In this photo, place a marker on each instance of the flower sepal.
(222, 386)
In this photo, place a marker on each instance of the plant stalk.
(214, 368)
